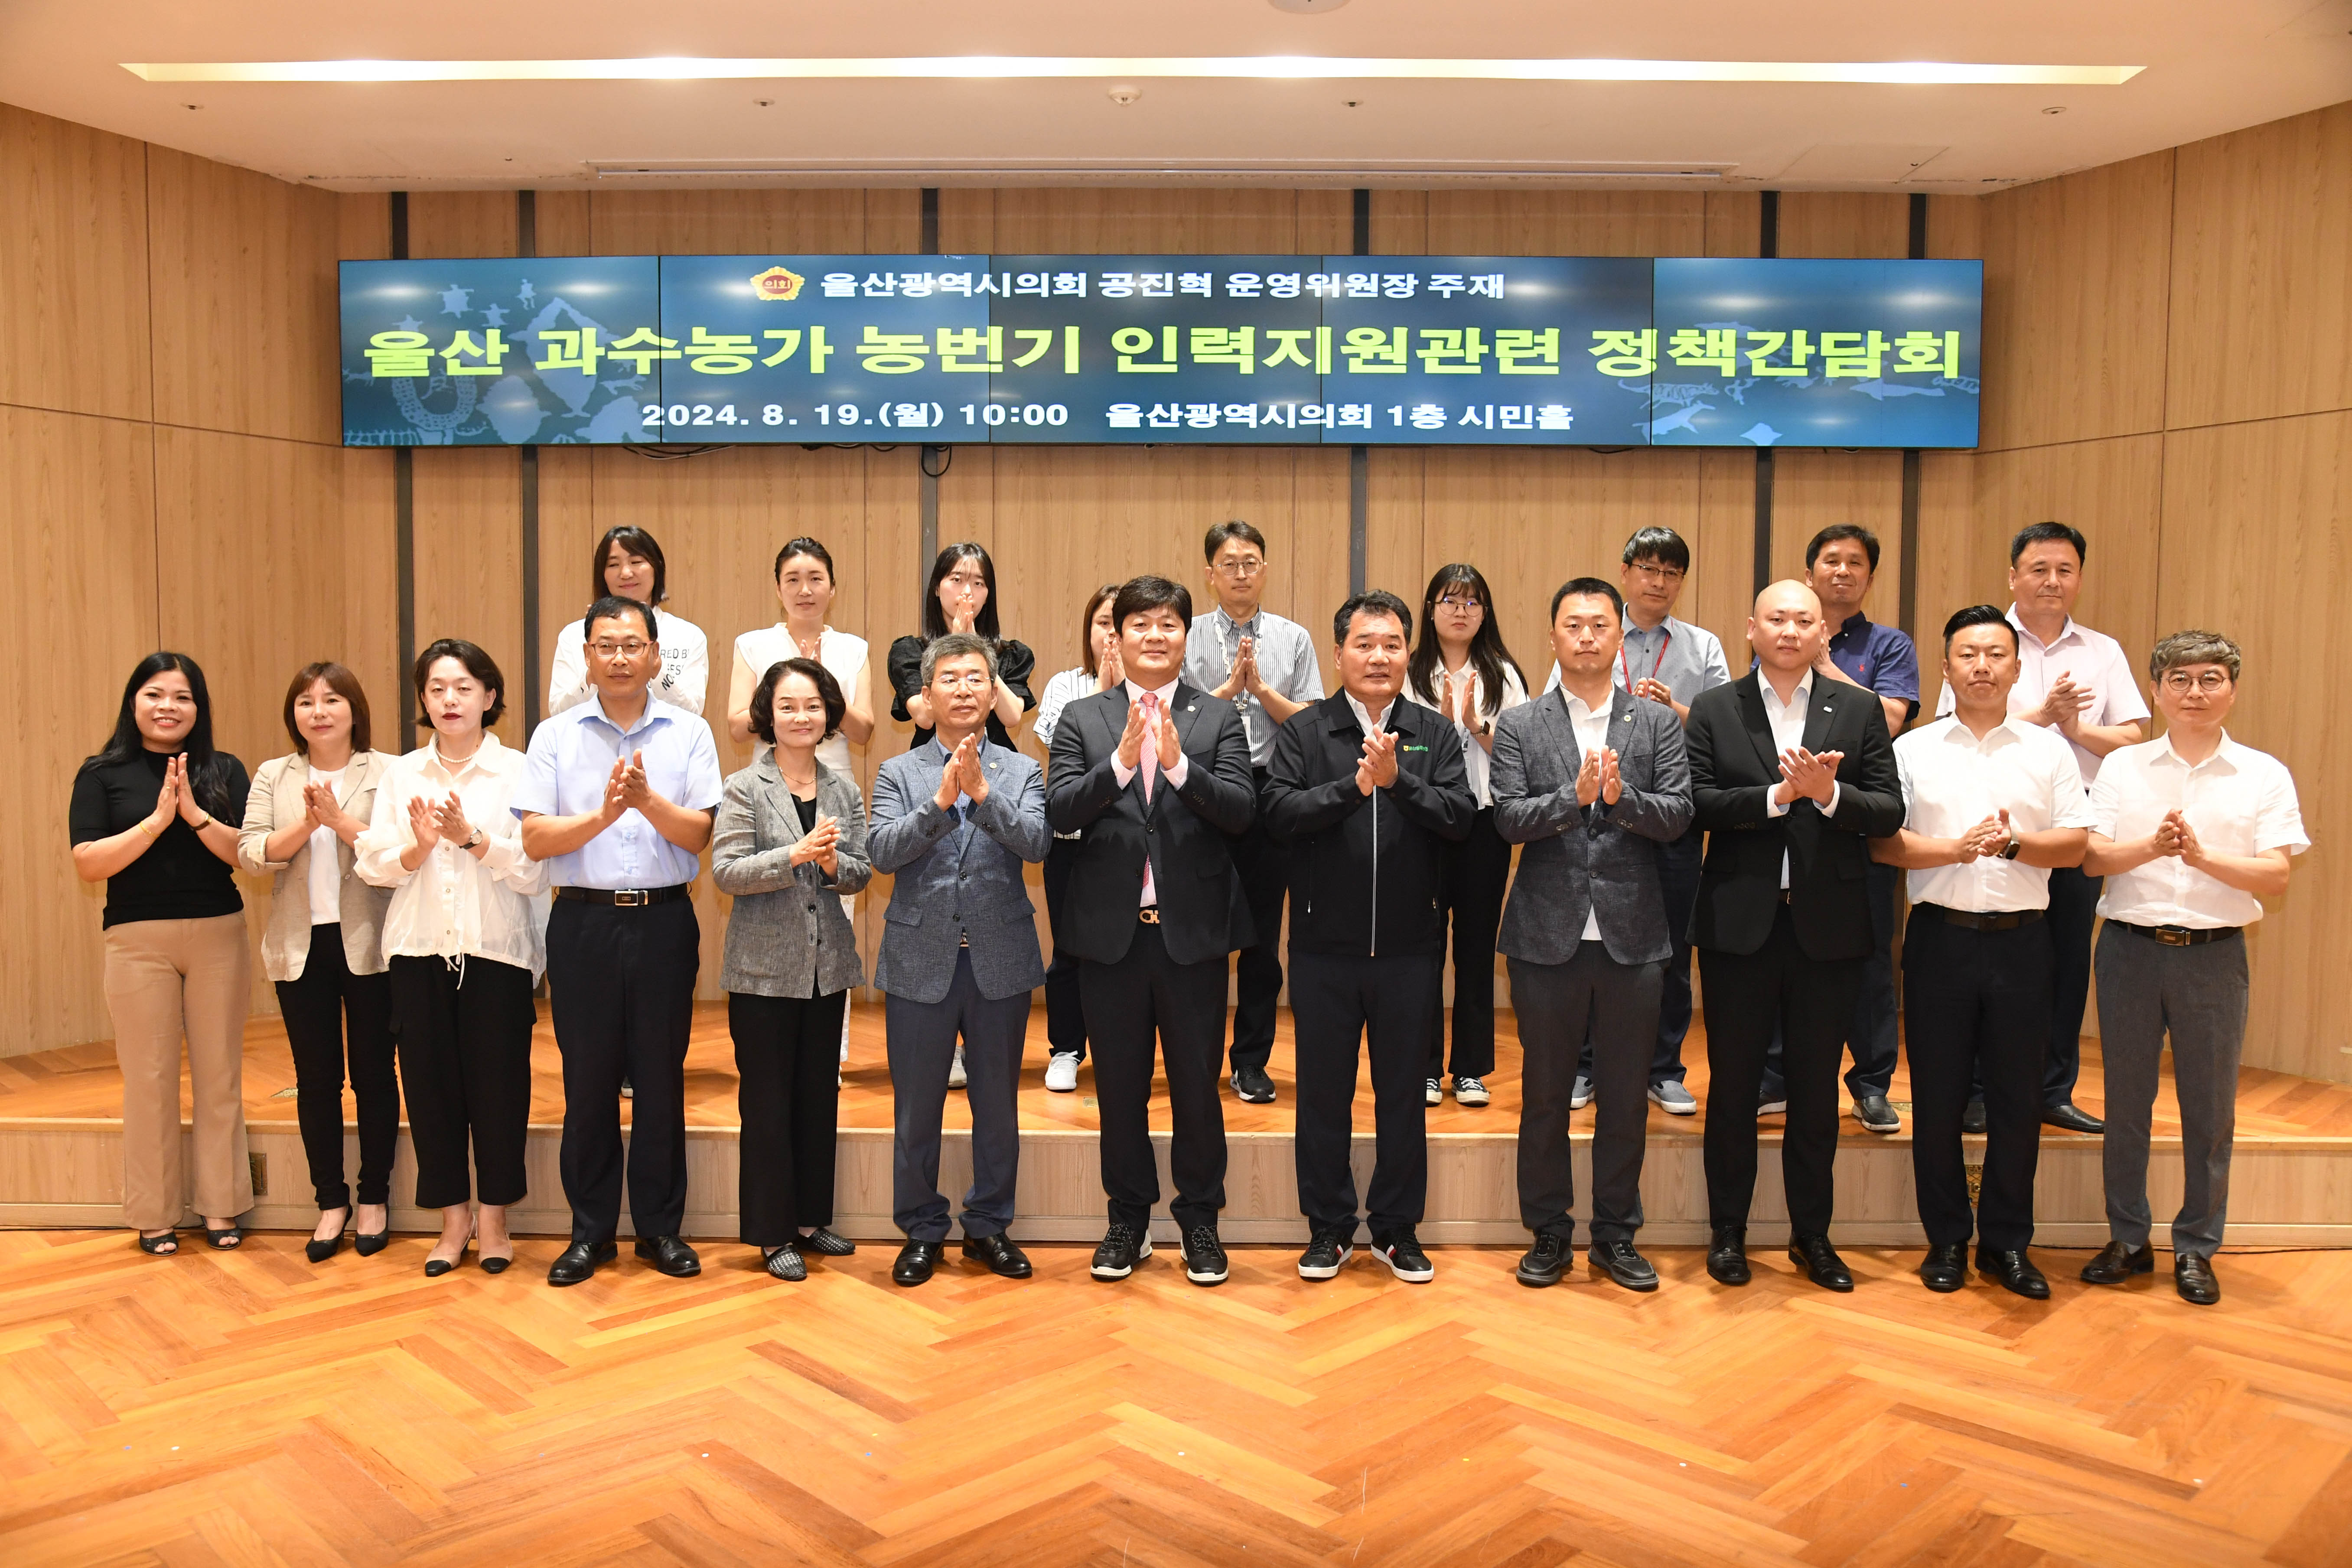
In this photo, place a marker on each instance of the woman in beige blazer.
(323, 947)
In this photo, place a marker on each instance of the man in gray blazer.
(1591, 780)
(954, 820)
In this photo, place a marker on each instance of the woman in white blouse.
(1461, 668)
(628, 562)
(1065, 1022)
(466, 945)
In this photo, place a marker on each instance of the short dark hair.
(478, 665)
(958, 645)
(763, 697)
(1837, 530)
(1374, 602)
(2179, 649)
(2049, 533)
(1978, 616)
(1590, 587)
(612, 607)
(1663, 546)
(1087, 655)
(1138, 594)
(805, 545)
(637, 542)
(344, 684)
(1234, 528)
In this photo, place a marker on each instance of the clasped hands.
(962, 774)
(1597, 778)
(1985, 840)
(1807, 774)
(177, 798)
(1159, 733)
(1377, 769)
(820, 846)
(1245, 675)
(2062, 706)
(2175, 838)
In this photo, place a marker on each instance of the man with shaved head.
(1792, 775)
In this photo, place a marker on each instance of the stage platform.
(60, 1161)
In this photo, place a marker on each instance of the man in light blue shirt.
(616, 799)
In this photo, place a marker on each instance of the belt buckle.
(1149, 915)
(2172, 936)
(631, 898)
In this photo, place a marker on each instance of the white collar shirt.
(1474, 759)
(1788, 723)
(1169, 778)
(1952, 780)
(2093, 658)
(1591, 727)
(2240, 801)
(1366, 720)
(453, 905)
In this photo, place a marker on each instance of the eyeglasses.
(1455, 602)
(1241, 568)
(2212, 682)
(630, 649)
(1662, 573)
(962, 682)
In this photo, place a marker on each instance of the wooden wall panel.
(1735, 221)
(463, 222)
(725, 223)
(1401, 224)
(2279, 492)
(2112, 490)
(245, 333)
(73, 268)
(563, 223)
(1813, 490)
(1721, 588)
(469, 560)
(1114, 219)
(1844, 224)
(1566, 222)
(2077, 275)
(77, 515)
(2262, 299)
(362, 226)
(370, 633)
(1959, 562)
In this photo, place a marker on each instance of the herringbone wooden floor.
(250, 1408)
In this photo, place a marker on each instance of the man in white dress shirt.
(2192, 831)
(1991, 805)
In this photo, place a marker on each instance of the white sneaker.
(955, 1070)
(1580, 1095)
(1468, 1091)
(1433, 1092)
(1062, 1072)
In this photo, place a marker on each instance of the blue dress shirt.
(570, 763)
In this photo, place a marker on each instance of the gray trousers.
(922, 1040)
(2197, 995)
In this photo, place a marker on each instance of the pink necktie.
(1150, 772)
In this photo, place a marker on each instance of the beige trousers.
(165, 979)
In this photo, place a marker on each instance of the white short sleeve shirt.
(2239, 800)
(1952, 781)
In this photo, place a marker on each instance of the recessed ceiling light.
(1246, 66)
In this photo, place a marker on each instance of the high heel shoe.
(437, 1266)
(367, 1245)
(319, 1251)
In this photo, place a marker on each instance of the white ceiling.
(2211, 66)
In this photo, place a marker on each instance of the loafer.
(1062, 1072)
(1876, 1115)
(2071, 1117)
(1618, 1260)
(915, 1261)
(670, 1256)
(784, 1262)
(1580, 1094)
(1470, 1090)
(2015, 1272)
(1547, 1260)
(999, 1252)
(2117, 1262)
(1945, 1267)
(580, 1261)
(1122, 1248)
(1727, 1255)
(1972, 1115)
(1252, 1085)
(2193, 1277)
(1669, 1096)
(1821, 1262)
(824, 1242)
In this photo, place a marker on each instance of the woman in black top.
(961, 597)
(156, 817)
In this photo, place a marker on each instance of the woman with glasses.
(1461, 668)
(961, 597)
(1099, 669)
(628, 564)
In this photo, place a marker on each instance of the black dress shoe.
(1946, 1266)
(1618, 1260)
(999, 1252)
(2193, 1277)
(2066, 1114)
(1547, 1260)
(367, 1245)
(2116, 1263)
(670, 1256)
(1727, 1255)
(1253, 1086)
(2015, 1271)
(1973, 1117)
(1821, 1262)
(823, 1241)
(915, 1261)
(581, 1261)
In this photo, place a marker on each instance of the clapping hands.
(820, 846)
(1811, 775)
(962, 775)
(1597, 778)
(1378, 767)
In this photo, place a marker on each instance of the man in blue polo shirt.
(1839, 564)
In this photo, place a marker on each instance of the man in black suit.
(1367, 791)
(1153, 776)
(1791, 775)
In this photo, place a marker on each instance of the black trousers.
(1144, 996)
(1344, 1008)
(1478, 869)
(1590, 1004)
(1871, 1036)
(787, 1057)
(464, 1060)
(1974, 1002)
(1065, 1015)
(333, 1015)
(622, 982)
(1812, 1002)
(1264, 865)
(2074, 912)
(1678, 867)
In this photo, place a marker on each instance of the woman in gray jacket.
(791, 833)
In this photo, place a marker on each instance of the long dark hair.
(637, 542)
(207, 769)
(1087, 654)
(1488, 656)
(935, 620)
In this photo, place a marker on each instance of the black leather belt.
(625, 897)
(1148, 914)
(2178, 936)
(2003, 919)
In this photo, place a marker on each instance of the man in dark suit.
(1153, 776)
(1790, 775)
(1367, 791)
(1592, 781)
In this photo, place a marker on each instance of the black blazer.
(1735, 766)
(1367, 871)
(1201, 912)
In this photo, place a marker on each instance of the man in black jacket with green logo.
(1367, 789)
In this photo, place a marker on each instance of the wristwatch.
(471, 839)
(2009, 851)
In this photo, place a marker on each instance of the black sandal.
(785, 1263)
(164, 1246)
(225, 1240)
